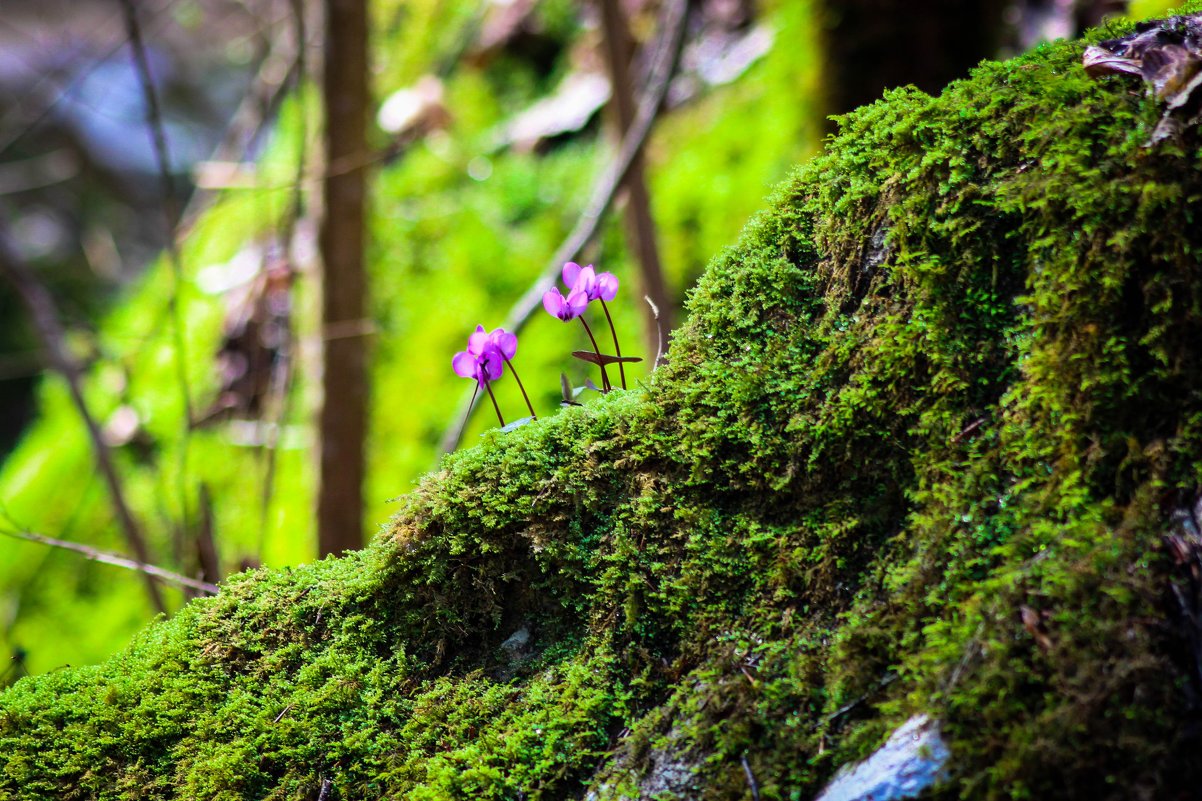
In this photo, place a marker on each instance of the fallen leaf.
(1167, 54)
(1033, 623)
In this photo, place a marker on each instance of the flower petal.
(464, 364)
(586, 282)
(505, 342)
(554, 304)
(570, 270)
(607, 286)
(576, 303)
(478, 342)
(492, 366)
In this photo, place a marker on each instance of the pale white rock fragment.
(911, 760)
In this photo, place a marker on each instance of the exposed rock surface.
(913, 759)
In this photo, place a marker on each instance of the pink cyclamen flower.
(567, 308)
(487, 355)
(603, 286)
(504, 341)
(484, 359)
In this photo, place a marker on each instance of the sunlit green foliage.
(951, 372)
(1143, 9)
(447, 252)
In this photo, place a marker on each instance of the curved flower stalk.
(587, 285)
(602, 287)
(488, 354)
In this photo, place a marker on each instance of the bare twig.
(61, 89)
(206, 541)
(288, 242)
(282, 391)
(117, 560)
(751, 782)
(659, 343)
(171, 217)
(324, 794)
(283, 63)
(667, 53)
(244, 127)
(50, 330)
(154, 118)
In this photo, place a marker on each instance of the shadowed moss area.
(915, 449)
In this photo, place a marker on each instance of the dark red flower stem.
(470, 406)
(617, 347)
(521, 386)
(605, 386)
(493, 398)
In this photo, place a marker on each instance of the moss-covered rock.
(915, 450)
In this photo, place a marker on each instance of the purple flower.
(586, 279)
(585, 282)
(565, 308)
(487, 354)
(607, 286)
(504, 341)
(484, 359)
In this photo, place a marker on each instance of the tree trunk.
(343, 423)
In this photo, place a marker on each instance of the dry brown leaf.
(1033, 623)
(1167, 54)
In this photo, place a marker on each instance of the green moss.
(951, 373)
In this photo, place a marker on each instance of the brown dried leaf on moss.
(1168, 55)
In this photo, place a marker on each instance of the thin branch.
(751, 782)
(171, 217)
(62, 89)
(283, 65)
(659, 342)
(154, 118)
(283, 386)
(602, 196)
(206, 540)
(117, 560)
(279, 400)
(50, 330)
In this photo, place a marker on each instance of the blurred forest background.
(184, 386)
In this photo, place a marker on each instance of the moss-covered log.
(916, 449)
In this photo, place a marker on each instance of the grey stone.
(911, 760)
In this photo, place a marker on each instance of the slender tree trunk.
(640, 225)
(343, 419)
